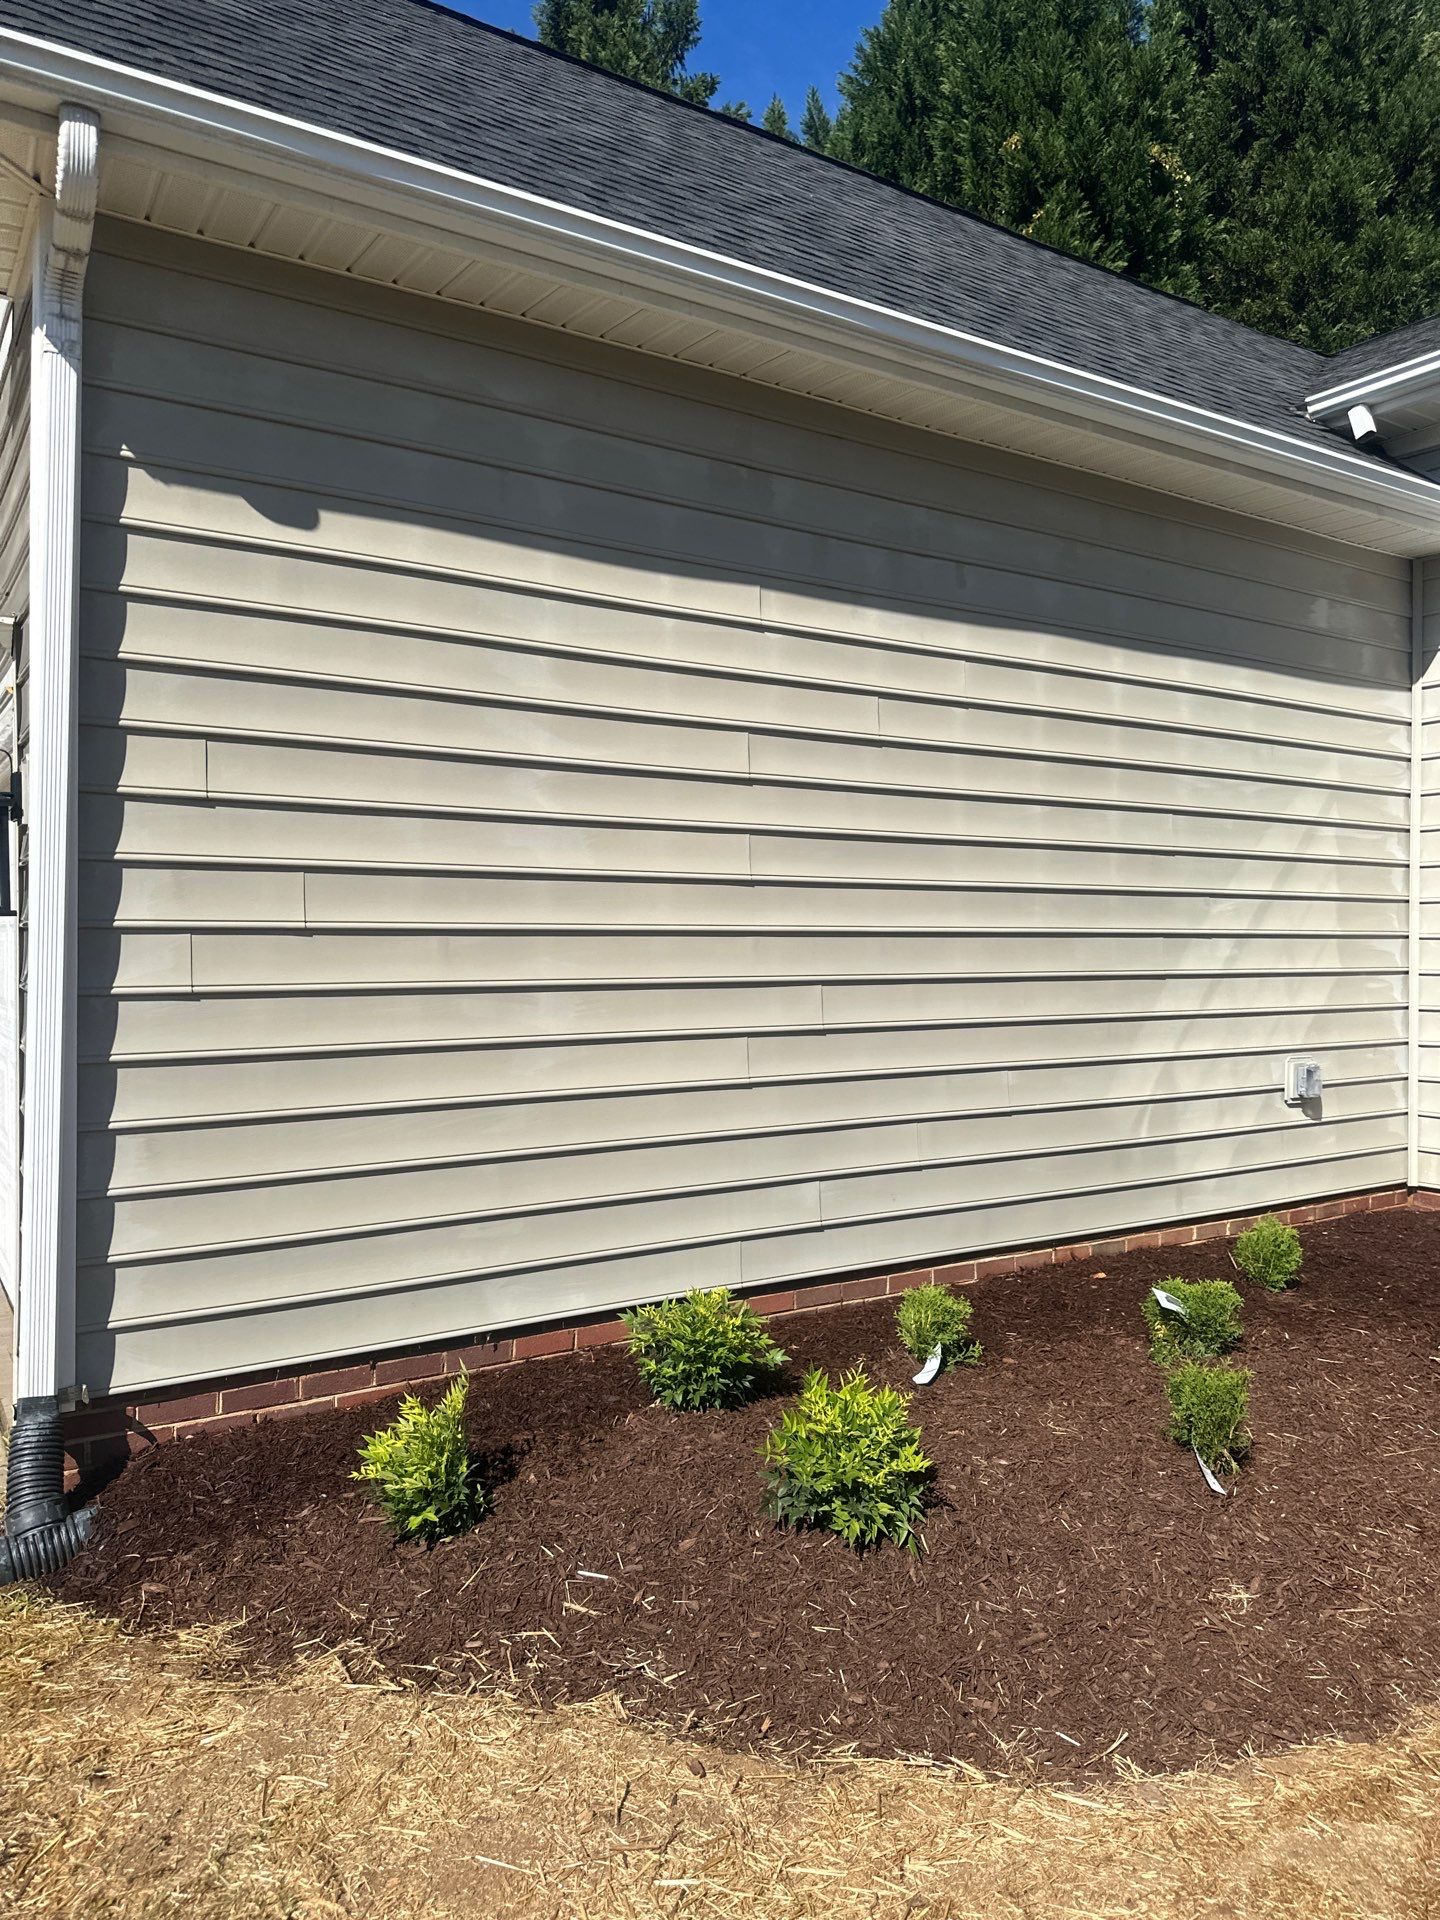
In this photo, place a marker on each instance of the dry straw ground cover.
(146, 1777)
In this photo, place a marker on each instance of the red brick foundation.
(107, 1432)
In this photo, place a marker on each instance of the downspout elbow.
(41, 1533)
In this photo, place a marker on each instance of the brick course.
(107, 1432)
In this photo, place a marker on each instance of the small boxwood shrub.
(420, 1469)
(846, 1458)
(1270, 1253)
(931, 1317)
(1208, 1406)
(707, 1350)
(1209, 1326)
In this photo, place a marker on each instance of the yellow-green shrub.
(846, 1458)
(1208, 1406)
(1270, 1253)
(705, 1351)
(1209, 1326)
(420, 1470)
(933, 1316)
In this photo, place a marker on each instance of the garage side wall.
(559, 829)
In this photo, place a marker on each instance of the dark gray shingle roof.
(412, 76)
(1383, 350)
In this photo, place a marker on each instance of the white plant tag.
(1169, 1302)
(1210, 1480)
(931, 1367)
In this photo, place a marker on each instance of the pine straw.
(144, 1779)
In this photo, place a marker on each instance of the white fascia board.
(1403, 384)
(278, 149)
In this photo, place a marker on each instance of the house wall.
(558, 829)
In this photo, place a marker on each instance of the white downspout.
(1417, 799)
(45, 1330)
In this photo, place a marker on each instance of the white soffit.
(195, 164)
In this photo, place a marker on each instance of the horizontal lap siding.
(557, 830)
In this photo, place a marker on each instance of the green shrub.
(1270, 1253)
(1208, 1406)
(846, 1458)
(1209, 1327)
(931, 1317)
(707, 1350)
(420, 1468)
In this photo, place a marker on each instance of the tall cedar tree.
(1313, 136)
(1056, 118)
(776, 120)
(817, 129)
(889, 95)
(647, 40)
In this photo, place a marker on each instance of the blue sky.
(758, 47)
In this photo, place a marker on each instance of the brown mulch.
(1082, 1599)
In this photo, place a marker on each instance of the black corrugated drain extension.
(41, 1533)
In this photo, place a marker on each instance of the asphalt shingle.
(415, 77)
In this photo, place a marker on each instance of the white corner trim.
(1416, 871)
(276, 147)
(45, 1321)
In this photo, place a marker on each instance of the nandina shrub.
(420, 1469)
(708, 1350)
(1208, 1406)
(933, 1316)
(1270, 1253)
(1209, 1327)
(846, 1458)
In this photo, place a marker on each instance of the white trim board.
(45, 1320)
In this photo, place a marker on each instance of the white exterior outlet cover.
(1303, 1081)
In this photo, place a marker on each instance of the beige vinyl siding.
(559, 829)
(1429, 1114)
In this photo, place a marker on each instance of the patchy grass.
(144, 1779)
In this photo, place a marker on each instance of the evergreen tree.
(776, 120)
(817, 129)
(888, 97)
(647, 40)
(1057, 118)
(1314, 140)
(1060, 118)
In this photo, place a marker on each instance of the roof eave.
(1408, 380)
(216, 130)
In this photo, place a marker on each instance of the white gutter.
(1402, 384)
(45, 1321)
(211, 127)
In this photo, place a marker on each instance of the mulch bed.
(1082, 1598)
